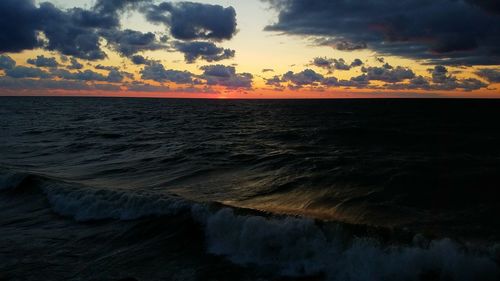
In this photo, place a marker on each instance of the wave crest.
(283, 246)
(87, 204)
(298, 247)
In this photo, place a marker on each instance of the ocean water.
(159, 189)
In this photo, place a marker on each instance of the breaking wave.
(300, 247)
(279, 245)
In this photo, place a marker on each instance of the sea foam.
(298, 247)
(282, 246)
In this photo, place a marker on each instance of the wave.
(298, 247)
(282, 246)
(11, 180)
(85, 203)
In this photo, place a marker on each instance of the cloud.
(312, 79)
(267, 70)
(492, 75)
(222, 75)
(128, 42)
(70, 33)
(6, 62)
(306, 77)
(207, 51)
(142, 87)
(86, 75)
(22, 15)
(42, 61)
(356, 63)
(349, 46)
(114, 76)
(79, 32)
(440, 74)
(323, 63)
(440, 80)
(194, 21)
(112, 7)
(444, 81)
(487, 5)
(335, 64)
(158, 73)
(439, 32)
(75, 64)
(387, 73)
(140, 60)
(26, 72)
(274, 81)
(21, 84)
(396, 78)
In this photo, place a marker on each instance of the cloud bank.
(453, 32)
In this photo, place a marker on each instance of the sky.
(251, 48)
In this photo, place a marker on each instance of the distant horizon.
(247, 99)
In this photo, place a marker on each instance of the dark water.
(106, 189)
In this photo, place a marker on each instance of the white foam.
(88, 204)
(298, 247)
(288, 246)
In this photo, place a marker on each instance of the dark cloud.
(488, 5)
(492, 75)
(222, 75)
(114, 76)
(310, 78)
(140, 60)
(193, 21)
(306, 77)
(441, 80)
(335, 64)
(471, 84)
(267, 70)
(356, 63)
(75, 64)
(158, 73)
(129, 42)
(86, 75)
(419, 82)
(66, 33)
(274, 81)
(26, 72)
(142, 87)
(387, 73)
(444, 81)
(79, 32)
(360, 81)
(323, 63)
(18, 25)
(207, 51)
(438, 31)
(42, 61)
(23, 84)
(112, 7)
(397, 78)
(440, 74)
(6, 62)
(349, 46)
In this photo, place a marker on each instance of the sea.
(302, 190)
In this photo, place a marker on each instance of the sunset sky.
(250, 48)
